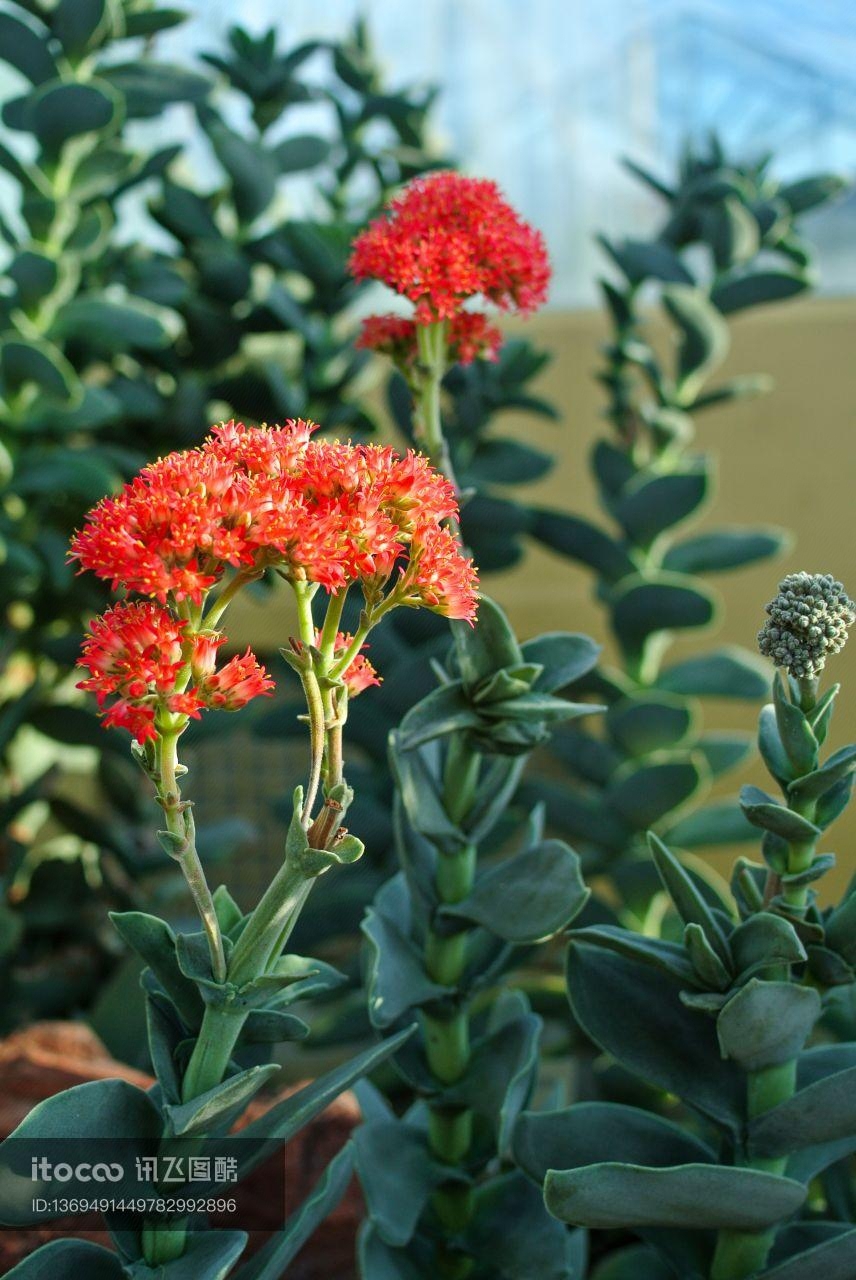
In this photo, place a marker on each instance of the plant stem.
(447, 1033)
(427, 417)
(740, 1254)
(270, 923)
(178, 819)
(213, 1050)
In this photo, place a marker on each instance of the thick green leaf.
(713, 824)
(812, 785)
(397, 1175)
(671, 957)
(565, 657)
(704, 338)
(833, 1260)
(823, 1112)
(154, 942)
(252, 169)
(763, 812)
(148, 86)
(689, 902)
(752, 288)
(507, 462)
(396, 980)
(279, 1124)
(59, 112)
(725, 751)
(649, 722)
(513, 1236)
(591, 1132)
(114, 326)
(582, 541)
(40, 364)
(808, 193)
(526, 898)
(725, 549)
(100, 1109)
(209, 1256)
(646, 510)
(767, 1023)
(765, 940)
(380, 1261)
(25, 50)
(69, 1260)
(213, 1107)
(81, 24)
(301, 151)
(486, 647)
(645, 794)
(723, 673)
(797, 735)
(614, 1195)
(277, 1254)
(634, 1011)
(445, 710)
(643, 259)
(643, 608)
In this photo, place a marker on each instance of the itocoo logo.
(43, 1170)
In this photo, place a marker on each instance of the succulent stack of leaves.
(112, 351)
(729, 242)
(721, 1016)
(474, 890)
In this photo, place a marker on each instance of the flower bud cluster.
(809, 620)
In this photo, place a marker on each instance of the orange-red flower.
(439, 577)
(447, 238)
(249, 498)
(136, 655)
(470, 336)
(237, 683)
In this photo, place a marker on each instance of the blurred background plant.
(730, 241)
(117, 342)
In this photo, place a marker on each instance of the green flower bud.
(809, 620)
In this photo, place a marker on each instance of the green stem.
(271, 923)
(427, 418)
(178, 819)
(317, 735)
(207, 1067)
(740, 1254)
(800, 856)
(447, 1031)
(225, 598)
(213, 1050)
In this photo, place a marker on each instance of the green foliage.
(724, 225)
(723, 1021)
(198, 1094)
(448, 927)
(113, 350)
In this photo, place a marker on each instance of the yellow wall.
(785, 458)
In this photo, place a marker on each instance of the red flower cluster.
(470, 336)
(136, 653)
(448, 238)
(250, 498)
